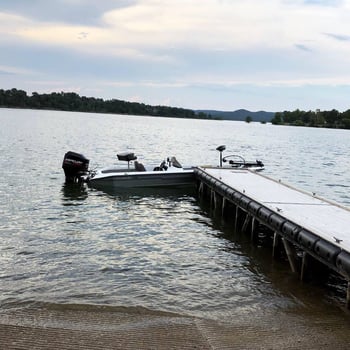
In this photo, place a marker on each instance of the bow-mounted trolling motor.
(221, 149)
(75, 166)
(239, 162)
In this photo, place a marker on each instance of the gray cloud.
(303, 47)
(83, 12)
(3, 72)
(83, 35)
(339, 37)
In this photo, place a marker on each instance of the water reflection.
(288, 291)
(130, 193)
(153, 248)
(74, 193)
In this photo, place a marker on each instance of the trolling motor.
(75, 166)
(221, 149)
(239, 162)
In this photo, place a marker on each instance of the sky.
(271, 55)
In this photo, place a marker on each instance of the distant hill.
(240, 114)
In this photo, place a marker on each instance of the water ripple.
(73, 244)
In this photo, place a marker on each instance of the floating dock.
(309, 228)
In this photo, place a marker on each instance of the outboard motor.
(75, 165)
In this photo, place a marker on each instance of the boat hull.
(162, 179)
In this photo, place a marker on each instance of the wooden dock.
(308, 228)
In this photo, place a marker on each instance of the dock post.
(303, 266)
(223, 207)
(236, 218)
(213, 201)
(246, 223)
(219, 202)
(200, 190)
(216, 202)
(275, 244)
(290, 255)
(253, 233)
(348, 296)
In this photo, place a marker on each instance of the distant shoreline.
(105, 113)
(72, 102)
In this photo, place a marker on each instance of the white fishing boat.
(169, 173)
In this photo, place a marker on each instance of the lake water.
(60, 244)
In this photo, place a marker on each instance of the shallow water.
(67, 245)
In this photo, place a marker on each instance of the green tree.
(277, 119)
(346, 123)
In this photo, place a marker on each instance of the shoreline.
(91, 327)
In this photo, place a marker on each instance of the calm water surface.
(61, 244)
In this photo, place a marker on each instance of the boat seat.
(126, 156)
(139, 166)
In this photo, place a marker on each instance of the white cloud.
(9, 25)
(13, 70)
(210, 25)
(183, 45)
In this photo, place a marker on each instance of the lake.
(67, 245)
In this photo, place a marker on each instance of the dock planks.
(330, 221)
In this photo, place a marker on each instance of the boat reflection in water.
(155, 192)
(74, 193)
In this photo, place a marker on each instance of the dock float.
(309, 228)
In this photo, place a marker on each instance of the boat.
(169, 173)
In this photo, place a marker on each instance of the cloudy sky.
(268, 55)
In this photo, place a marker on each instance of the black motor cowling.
(75, 165)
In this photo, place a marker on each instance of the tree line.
(70, 101)
(324, 119)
